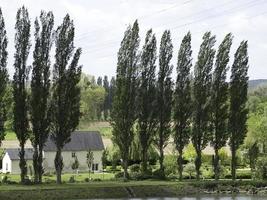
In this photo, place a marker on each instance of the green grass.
(10, 135)
(80, 177)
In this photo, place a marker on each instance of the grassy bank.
(120, 189)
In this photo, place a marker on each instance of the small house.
(10, 161)
(80, 143)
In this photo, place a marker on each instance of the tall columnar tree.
(124, 109)
(99, 81)
(105, 106)
(219, 100)
(164, 96)
(202, 98)
(65, 104)
(182, 100)
(111, 92)
(146, 98)
(3, 75)
(22, 47)
(40, 86)
(238, 98)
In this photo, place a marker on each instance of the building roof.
(80, 141)
(14, 154)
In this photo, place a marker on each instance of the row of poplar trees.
(43, 106)
(201, 107)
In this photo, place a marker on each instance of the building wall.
(6, 163)
(68, 160)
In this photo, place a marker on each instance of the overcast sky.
(100, 25)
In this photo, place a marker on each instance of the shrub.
(87, 179)
(119, 175)
(157, 174)
(190, 169)
(261, 167)
(72, 179)
(170, 164)
(135, 168)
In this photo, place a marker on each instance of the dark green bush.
(135, 168)
(119, 175)
(72, 179)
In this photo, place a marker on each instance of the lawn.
(10, 135)
(80, 177)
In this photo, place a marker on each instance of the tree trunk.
(35, 164)
(161, 159)
(233, 163)
(198, 164)
(180, 164)
(125, 169)
(144, 160)
(216, 165)
(22, 163)
(40, 164)
(58, 165)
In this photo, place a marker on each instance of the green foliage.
(261, 167)
(65, 103)
(170, 164)
(164, 95)
(135, 168)
(190, 169)
(238, 99)
(146, 97)
(123, 114)
(40, 86)
(182, 100)
(90, 160)
(92, 99)
(20, 78)
(219, 101)
(201, 97)
(190, 153)
(3, 76)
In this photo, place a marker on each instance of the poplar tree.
(124, 108)
(3, 75)
(40, 86)
(202, 98)
(182, 100)
(65, 103)
(238, 99)
(219, 100)
(164, 96)
(22, 47)
(106, 106)
(146, 98)
(111, 92)
(99, 81)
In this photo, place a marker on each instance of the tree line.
(47, 104)
(201, 106)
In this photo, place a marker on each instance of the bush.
(190, 169)
(158, 174)
(261, 167)
(72, 179)
(87, 179)
(170, 164)
(119, 175)
(135, 168)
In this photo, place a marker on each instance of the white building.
(10, 162)
(80, 143)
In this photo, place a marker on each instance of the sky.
(100, 25)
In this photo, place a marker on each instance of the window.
(95, 167)
(73, 154)
(6, 166)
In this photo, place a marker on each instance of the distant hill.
(253, 84)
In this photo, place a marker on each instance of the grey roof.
(80, 141)
(14, 154)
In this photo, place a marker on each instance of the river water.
(239, 197)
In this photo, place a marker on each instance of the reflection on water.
(200, 198)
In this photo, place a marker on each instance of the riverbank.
(120, 189)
